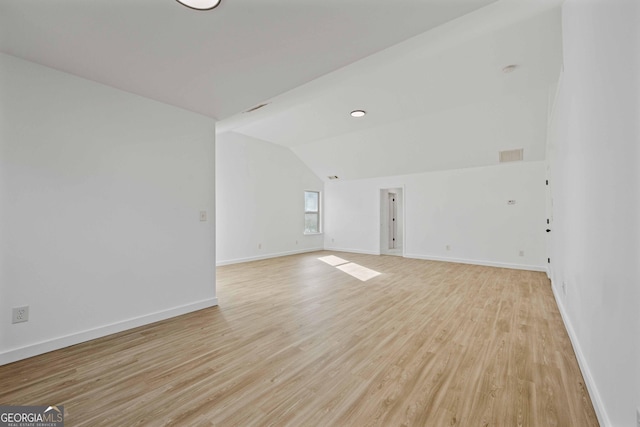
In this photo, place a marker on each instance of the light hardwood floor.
(298, 342)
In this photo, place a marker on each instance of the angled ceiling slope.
(218, 62)
(437, 101)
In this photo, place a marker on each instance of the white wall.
(260, 200)
(100, 193)
(596, 194)
(466, 209)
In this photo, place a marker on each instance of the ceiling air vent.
(333, 177)
(511, 155)
(257, 107)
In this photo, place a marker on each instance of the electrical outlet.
(20, 314)
(448, 247)
(203, 215)
(521, 253)
(259, 245)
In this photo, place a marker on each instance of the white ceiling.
(428, 72)
(437, 101)
(218, 62)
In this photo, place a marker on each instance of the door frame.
(383, 230)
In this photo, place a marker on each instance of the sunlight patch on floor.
(333, 260)
(358, 271)
(351, 268)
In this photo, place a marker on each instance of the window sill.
(313, 234)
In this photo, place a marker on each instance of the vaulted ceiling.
(437, 101)
(428, 72)
(217, 62)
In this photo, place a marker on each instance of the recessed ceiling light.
(358, 113)
(509, 68)
(200, 4)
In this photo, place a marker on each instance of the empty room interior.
(301, 213)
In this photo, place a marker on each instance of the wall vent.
(333, 177)
(511, 155)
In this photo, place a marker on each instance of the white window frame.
(319, 212)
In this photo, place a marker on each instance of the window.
(311, 212)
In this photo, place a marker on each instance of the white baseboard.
(353, 251)
(598, 405)
(31, 350)
(479, 262)
(266, 256)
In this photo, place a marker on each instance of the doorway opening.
(391, 221)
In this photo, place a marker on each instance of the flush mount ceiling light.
(358, 113)
(509, 68)
(200, 4)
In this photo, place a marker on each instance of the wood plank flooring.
(297, 342)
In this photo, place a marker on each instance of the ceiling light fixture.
(509, 68)
(200, 4)
(358, 113)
